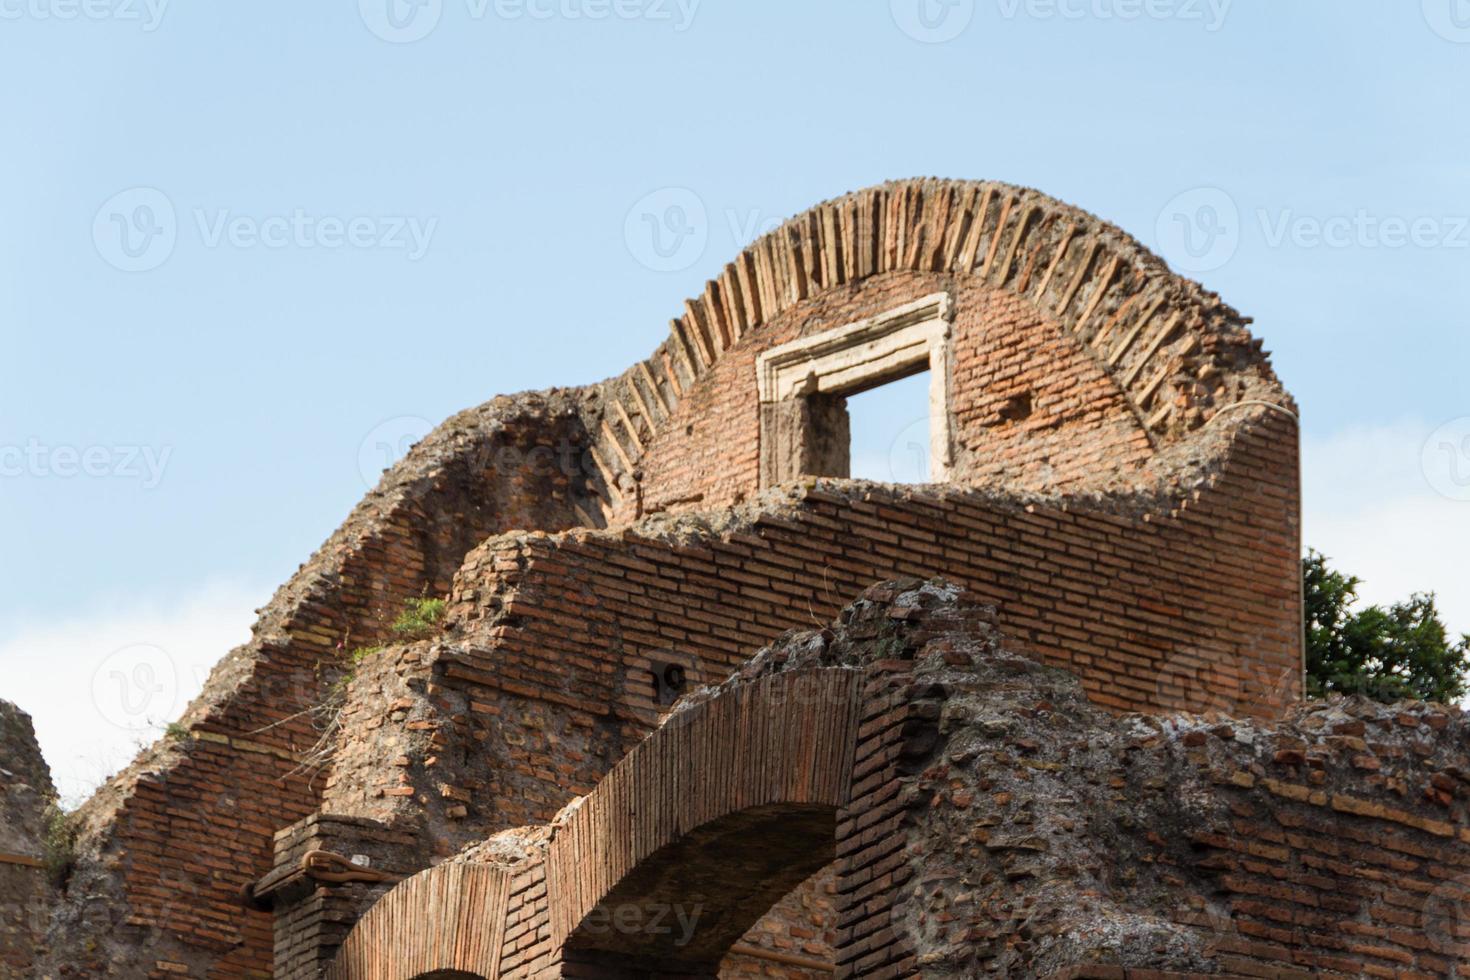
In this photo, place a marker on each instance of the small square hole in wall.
(669, 682)
(890, 432)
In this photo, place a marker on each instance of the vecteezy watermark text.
(1201, 230)
(300, 229)
(406, 21)
(38, 460)
(938, 21)
(561, 460)
(678, 921)
(148, 14)
(137, 230)
(1211, 14)
(1362, 229)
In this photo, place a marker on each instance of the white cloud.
(106, 682)
(1370, 503)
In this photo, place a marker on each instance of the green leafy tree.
(1388, 654)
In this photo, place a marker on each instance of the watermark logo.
(401, 21)
(667, 230)
(1446, 918)
(1446, 459)
(1193, 681)
(910, 454)
(136, 230)
(136, 687)
(1199, 230)
(38, 460)
(387, 444)
(1450, 19)
(933, 21)
(148, 14)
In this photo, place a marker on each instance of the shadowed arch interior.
(707, 791)
(689, 902)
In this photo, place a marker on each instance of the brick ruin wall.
(166, 846)
(495, 737)
(1124, 530)
(999, 824)
(1043, 837)
(1023, 832)
(26, 795)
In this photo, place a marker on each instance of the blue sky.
(246, 244)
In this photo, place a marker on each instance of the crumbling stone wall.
(26, 793)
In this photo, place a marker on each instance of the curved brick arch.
(741, 790)
(447, 922)
(1136, 319)
(707, 823)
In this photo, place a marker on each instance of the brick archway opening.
(681, 910)
(449, 975)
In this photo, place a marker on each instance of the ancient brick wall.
(1170, 604)
(25, 880)
(995, 823)
(1041, 837)
(541, 681)
(1118, 489)
(168, 844)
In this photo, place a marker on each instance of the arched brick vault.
(728, 807)
(1145, 356)
(447, 921)
(690, 838)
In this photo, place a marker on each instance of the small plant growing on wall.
(419, 619)
(60, 844)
